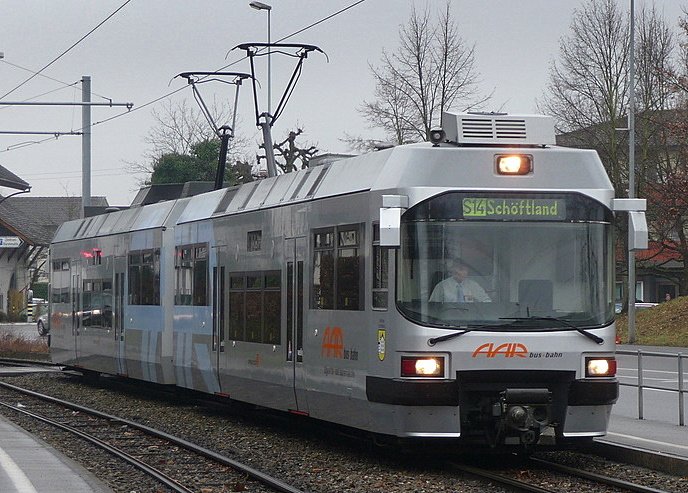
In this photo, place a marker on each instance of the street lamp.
(631, 176)
(268, 8)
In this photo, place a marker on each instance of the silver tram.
(312, 292)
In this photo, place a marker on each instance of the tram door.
(75, 274)
(219, 312)
(118, 314)
(295, 251)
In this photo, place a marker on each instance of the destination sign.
(10, 241)
(514, 208)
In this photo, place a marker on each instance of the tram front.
(516, 290)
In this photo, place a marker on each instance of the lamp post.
(631, 176)
(268, 8)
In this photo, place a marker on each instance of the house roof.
(35, 219)
(10, 180)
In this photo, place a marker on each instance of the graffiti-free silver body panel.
(174, 344)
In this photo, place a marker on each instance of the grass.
(664, 325)
(19, 347)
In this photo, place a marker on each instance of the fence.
(641, 385)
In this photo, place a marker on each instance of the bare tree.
(588, 94)
(432, 70)
(587, 91)
(291, 153)
(180, 127)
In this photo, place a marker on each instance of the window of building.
(192, 275)
(337, 269)
(380, 272)
(255, 306)
(144, 277)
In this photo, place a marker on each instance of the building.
(27, 225)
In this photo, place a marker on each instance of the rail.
(641, 385)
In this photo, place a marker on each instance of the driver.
(458, 288)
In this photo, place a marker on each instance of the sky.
(135, 55)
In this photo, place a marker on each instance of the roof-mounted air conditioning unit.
(498, 129)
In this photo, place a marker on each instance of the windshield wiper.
(434, 340)
(562, 321)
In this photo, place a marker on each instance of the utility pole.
(85, 133)
(85, 144)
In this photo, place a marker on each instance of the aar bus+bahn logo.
(507, 350)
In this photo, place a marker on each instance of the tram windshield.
(483, 259)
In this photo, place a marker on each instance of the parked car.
(42, 318)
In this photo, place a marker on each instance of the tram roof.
(416, 170)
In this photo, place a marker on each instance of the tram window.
(144, 277)
(60, 265)
(200, 284)
(255, 307)
(192, 275)
(253, 241)
(323, 270)
(337, 280)
(237, 307)
(380, 272)
(253, 315)
(97, 303)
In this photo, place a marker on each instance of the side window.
(135, 278)
(323, 270)
(255, 306)
(191, 267)
(380, 272)
(337, 269)
(200, 276)
(348, 276)
(60, 282)
(97, 303)
(253, 241)
(144, 277)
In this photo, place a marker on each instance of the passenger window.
(255, 307)
(380, 272)
(192, 275)
(337, 269)
(144, 277)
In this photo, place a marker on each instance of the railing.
(641, 386)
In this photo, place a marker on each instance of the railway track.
(179, 465)
(536, 478)
(312, 467)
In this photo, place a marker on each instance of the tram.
(314, 292)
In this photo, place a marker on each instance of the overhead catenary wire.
(171, 93)
(66, 85)
(67, 50)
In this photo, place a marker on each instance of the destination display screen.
(509, 206)
(514, 208)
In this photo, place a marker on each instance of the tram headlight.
(422, 366)
(514, 164)
(600, 367)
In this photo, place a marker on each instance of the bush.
(3, 317)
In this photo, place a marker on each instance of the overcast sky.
(134, 56)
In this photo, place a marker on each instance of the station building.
(27, 225)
